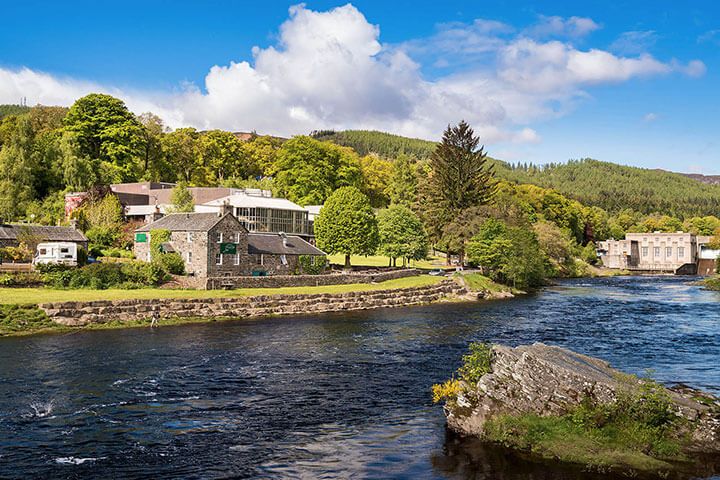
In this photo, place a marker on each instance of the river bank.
(339, 394)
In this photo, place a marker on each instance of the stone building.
(12, 234)
(655, 252)
(217, 244)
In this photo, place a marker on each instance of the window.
(218, 237)
(189, 257)
(237, 237)
(668, 252)
(64, 250)
(259, 259)
(656, 251)
(189, 237)
(645, 251)
(283, 259)
(681, 252)
(218, 259)
(43, 251)
(237, 259)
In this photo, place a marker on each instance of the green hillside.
(12, 110)
(615, 187)
(607, 185)
(384, 144)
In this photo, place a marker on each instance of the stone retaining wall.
(84, 313)
(277, 281)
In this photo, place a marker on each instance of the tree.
(403, 185)
(79, 173)
(182, 200)
(558, 247)
(181, 153)
(402, 234)
(108, 132)
(461, 177)
(17, 172)
(153, 161)
(347, 225)
(307, 171)
(376, 177)
(260, 153)
(222, 156)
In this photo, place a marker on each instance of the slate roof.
(43, 232)
(183, 222)
(272, 243)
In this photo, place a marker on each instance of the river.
(321, 396)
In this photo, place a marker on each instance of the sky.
(632, 82)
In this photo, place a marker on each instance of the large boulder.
(552, 381)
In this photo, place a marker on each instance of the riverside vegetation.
(636, 429)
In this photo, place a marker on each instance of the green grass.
(615, 446)
(478, 282)
(382, 261)
(15, 319)
(712, 283)
(29, 296)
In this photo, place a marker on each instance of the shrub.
(476, 363)
(143, 273)
(157, 238)
(170, 262)
(312, 264)
(106, 275)
(446, 391)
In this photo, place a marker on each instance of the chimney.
(225, 209)
(73, 223)
(156, 215)
(284, 237)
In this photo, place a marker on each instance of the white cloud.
(634, 42)
(651, 117)
(330, 70)
(555, 26)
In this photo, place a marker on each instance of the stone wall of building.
(277, 281)
(85, 313)
(232, 232)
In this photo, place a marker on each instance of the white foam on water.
(76, 460)
(41, 409)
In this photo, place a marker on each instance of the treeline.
(383, 144)
(617, 187)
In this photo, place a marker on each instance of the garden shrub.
(107, 275)
(312, 264)
(170, 262)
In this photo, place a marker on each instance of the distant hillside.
(709, 179)
(614, 187)
(6, 110)
(381, 143)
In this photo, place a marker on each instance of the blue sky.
(631, 82)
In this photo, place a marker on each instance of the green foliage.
(222, 156)
(8, 109)
(510, 255)
(158, 236)
(402, 234)
(312, 264)
(181, 199)
(347, 224)
(461, 179)
(307, 171)
(403, 184)
(376, 173)
(476, 363)
(181, 149)
(102, 275)
(108, 132)
(383, 144)
(617, 187)
(170, 262)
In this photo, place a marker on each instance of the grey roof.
(272, 243)
(184, 222)
(43, 232)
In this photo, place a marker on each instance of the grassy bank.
(480, 283)
(712, 284)
(27, 296)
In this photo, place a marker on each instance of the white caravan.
(56, 252)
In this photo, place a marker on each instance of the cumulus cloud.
(329, 69)
(634, 42)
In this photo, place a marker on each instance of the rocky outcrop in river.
(536, 381)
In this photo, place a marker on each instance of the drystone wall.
(85, 313)
(277, 281)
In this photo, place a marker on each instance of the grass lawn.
(478, 282)
(382, 261)
(25, 296)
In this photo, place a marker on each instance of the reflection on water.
(332, 395)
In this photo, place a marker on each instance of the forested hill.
(384, 144)
(616, 187)
(592, 182)
(7, 109)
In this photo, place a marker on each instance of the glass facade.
(273, 220)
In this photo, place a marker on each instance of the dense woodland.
(46, 152)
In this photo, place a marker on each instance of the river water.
(321, 396)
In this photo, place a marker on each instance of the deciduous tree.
(402, 234)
